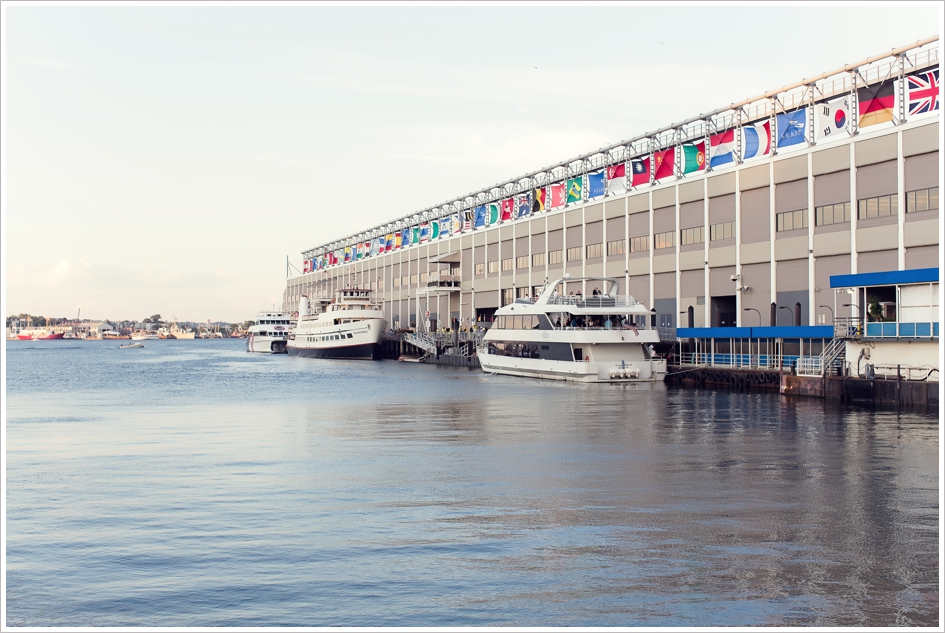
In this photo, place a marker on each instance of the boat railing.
(595, 301)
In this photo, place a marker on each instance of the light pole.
(759, 314)
(831, 312)
(789, 310)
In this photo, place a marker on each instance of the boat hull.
(366, 351)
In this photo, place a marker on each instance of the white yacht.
(269, 333)
(145, 335)
(598, 338)
(349, 326)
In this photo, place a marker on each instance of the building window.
(522, 293)
(877, 207)
(538, 259)
(493, 267)
(639, 244)
(396, 282)
(508, 296)
(423, 278)
(507, 264)
(791, 220)
(695, 235)
(574, 254)
(554, 257)
(595, 250)
(413, 280)
(664, 240)
(480, 269)
(922, 200)
(617, 247)
(832, 214)
(722, 231)
(521, 262)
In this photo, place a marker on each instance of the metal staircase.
(836, 351)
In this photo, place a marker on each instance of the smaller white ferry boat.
(599, 338)
(349, 326)
(145, 335)
(269, 333)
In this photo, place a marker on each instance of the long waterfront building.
(709, 221)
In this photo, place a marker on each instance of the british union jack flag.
(923, 92)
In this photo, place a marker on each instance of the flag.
(538, 203)
(792, 128)
(722, 148)
(390, 241)
(665, 163)
(559, 194)
(693, 157)
(876, 103)
(399, 239)
(480, 217)
(617, 179)
(508, 209)
(640, 168)
(347, 253)
(923, 92)
(524, 205)
(832, 117)
(468, 217)
(415, 235)
(756, 139)
(307, 266)
(424, 232)
(595, 185)
(493, 218)
(575, 189)
(457, 224)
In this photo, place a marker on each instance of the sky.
(169, 159)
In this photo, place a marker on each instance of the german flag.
(876, 103)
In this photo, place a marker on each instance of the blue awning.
(778, 331)
(885, 278)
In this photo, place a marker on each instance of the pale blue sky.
(168, 159)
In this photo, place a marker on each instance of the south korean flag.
(833, 117)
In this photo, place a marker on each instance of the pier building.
(736, 218)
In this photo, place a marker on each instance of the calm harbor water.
(192, 484)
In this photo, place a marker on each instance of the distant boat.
(39, 334)
(144, 335)
(131, 345)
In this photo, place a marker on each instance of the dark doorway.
(723, 311)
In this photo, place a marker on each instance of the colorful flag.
(307, 266)
(595, 185)
(575, 189)
(508, 209)
(480, 221)
(617, 179)
(390, 241)
(756, 139)
(722, 148)
(415, 235)
(559, 195)
(347, 253)
(923, 92)
(792, 128)
(493, 214)
(538, 203)
(399, 239)
(876, 103)
(468, 217)
(665, 163)
(693, 157)
(832, 117)
(640, 168)
(524, 205)
(457, 224)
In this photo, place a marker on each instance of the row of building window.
(879, 207)
(791, 220)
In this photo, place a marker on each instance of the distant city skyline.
(168, 159)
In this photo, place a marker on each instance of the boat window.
(350, 335)
(578, 354)
(517, 322)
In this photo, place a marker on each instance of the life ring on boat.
(587, 359)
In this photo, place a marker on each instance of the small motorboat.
(131, 346)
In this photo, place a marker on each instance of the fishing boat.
(131, 346)
(350, 325)
(269, 333)
(604, 337)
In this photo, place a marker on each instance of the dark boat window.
(578, 354)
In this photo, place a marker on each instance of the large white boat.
(145, 335)
(599, 338)
(181, 333)
(269, 333)
(349, 326)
